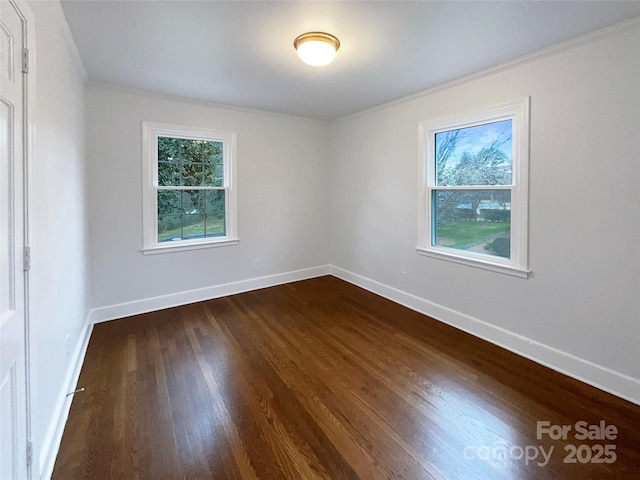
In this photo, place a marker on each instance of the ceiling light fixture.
(316, 48)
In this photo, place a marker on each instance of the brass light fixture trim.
(318, 37)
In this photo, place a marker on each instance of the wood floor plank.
(322, 380)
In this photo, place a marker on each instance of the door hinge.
(29, 453)
(25, 60)
(27, 259)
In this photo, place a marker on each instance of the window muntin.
(189, 187)
(473, 205)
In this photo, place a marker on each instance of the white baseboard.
(588, 372)
(112, 312)
(53, 436)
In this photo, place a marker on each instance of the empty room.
(320, 240)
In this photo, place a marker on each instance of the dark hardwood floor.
(320, 379)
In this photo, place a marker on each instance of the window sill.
(472, 262)
(183, 247)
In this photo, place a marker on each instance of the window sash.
(204, 215)
(433, 181)
(226, 160)
(462, 252)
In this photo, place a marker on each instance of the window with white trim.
(188, 188)
(473, 205)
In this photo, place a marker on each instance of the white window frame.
(517, 265)
(150, 133)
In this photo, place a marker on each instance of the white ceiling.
(240, 52)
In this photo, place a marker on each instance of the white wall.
(59, 277)
(580, 310)
(282, 206)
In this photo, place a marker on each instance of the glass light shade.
(316, 48)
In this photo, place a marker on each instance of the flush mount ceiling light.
(316, 48)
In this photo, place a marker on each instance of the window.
(189, 188)
(474, 189)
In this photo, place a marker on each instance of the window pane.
(168, 149)
(192, 174)
(215, 211)
(215, 225)
(192, 202)
(212, 153)
(214, 202)
(214, 175)
(192, 226)
(169, 228)
(473, 220)
(168, 174)
(478, 155)
(169, 202)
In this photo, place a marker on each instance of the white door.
(13, 381)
